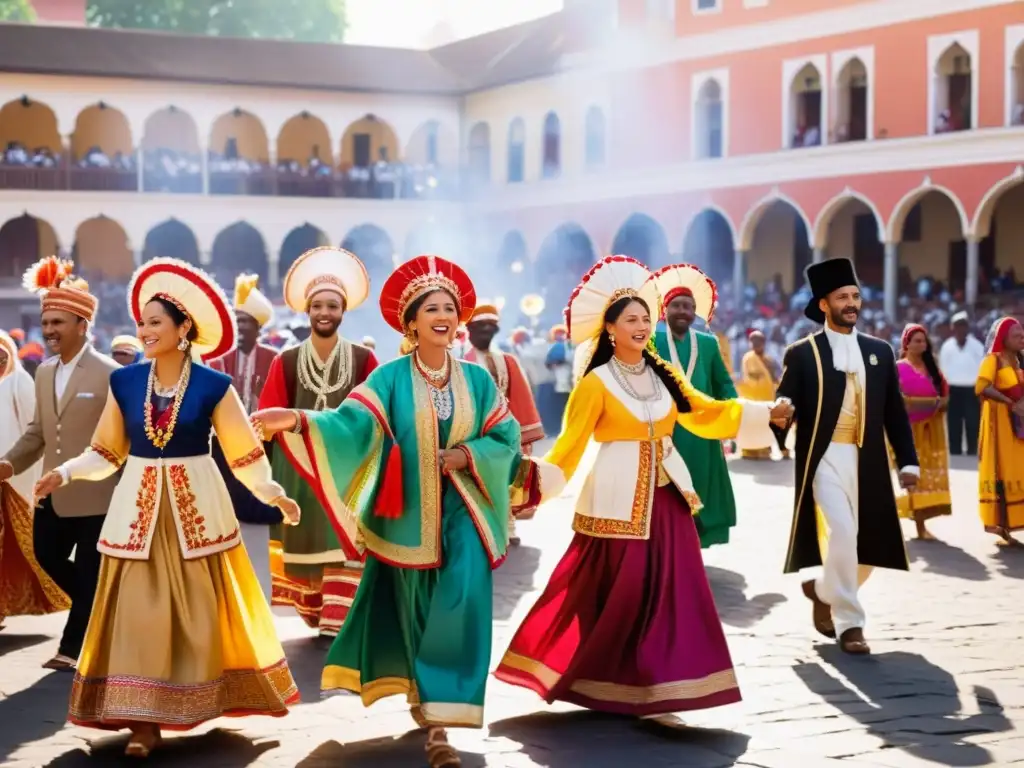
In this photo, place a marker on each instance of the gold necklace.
(436, 376)
(158, 436)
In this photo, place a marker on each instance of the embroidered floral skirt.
(628, 626)
(178, 642)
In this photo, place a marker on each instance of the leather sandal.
(143, 742)
(441, 754)
(853, 642)
(821, 614)
(60, 663)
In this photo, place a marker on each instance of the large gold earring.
(611, 338)
(183, 344)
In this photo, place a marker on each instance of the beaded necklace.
(621, 373)
(159, 436)
(313, 374)
(440, 385)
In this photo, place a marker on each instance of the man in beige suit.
(71, 389)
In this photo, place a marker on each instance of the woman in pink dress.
(925, 393)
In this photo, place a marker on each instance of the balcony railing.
(264, 182)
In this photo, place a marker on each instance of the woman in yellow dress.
(627, 623)
(759, 375)
(180, 632)
(1001, 441)
(925, 393)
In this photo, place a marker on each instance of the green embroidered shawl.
(344, 452)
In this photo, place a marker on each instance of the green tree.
(310, 21)
(17, 10)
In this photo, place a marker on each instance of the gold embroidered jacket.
(184, 469)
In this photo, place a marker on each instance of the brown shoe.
(853, 642)
(821, 614)
(60, 663)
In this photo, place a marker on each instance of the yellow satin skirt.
(179, 642)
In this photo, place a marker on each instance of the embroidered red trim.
(249, 459)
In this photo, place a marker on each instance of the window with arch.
(1016, 75)
(516, 150)
(953, 91)
(480, 153)
(708, 120)
(852, 107)
(805, 104)
(595, 137)
(552, 165)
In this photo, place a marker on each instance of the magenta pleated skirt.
(628, 626)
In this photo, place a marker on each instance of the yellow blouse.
(635, 444)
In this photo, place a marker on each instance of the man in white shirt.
(959, 360)
(71, 389)
(845, 392)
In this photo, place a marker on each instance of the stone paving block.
(944, 686)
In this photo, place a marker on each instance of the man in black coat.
(845, 392)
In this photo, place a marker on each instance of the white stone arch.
(894, 229)
(819, 237)
(982, 225)
(154, 131)
(713, 208)
(1014, 69)
(748, 227)
(62, 221)
(791, 69)
(938, 47)
(841, 60)
(121, 121)
(700, 84)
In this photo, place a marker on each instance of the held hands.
(273, 420)
(289, 509)
(908, 480)
(47, 484)
(452, 460)
(6, 470)
(782, 412)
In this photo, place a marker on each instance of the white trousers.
(257, 544)
(836, 493)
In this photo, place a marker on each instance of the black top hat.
(825, 277)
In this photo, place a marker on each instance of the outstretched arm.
(243, 450)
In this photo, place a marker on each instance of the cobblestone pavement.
(944, 687)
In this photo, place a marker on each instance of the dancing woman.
(926, 395)
(1001, 442)
(627, 622)
(417, 472)
(180, 632)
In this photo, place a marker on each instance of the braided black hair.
(604, 351)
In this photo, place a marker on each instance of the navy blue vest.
(192, 431)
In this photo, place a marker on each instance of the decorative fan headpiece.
(195, 294)
(611, 279)
(687, 280)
